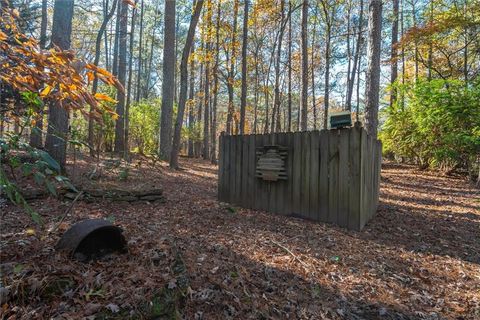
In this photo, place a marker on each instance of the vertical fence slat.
(314, 174)
(297, 167)
(363, 162)
(251, 172)
(228, 169)
(323, 177)
(343, 168)
(281, 140)
(305, 199)
(257, 182)
(289, 183)
(354, 180)
(238, 169)
(264, 185)
(221, 168)
(244, 171)
(333, 177)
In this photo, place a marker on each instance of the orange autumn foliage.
(55, 75)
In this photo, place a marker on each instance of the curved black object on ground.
(91, 239)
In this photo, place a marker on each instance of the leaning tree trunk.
(168, 79)
(372, 85)
(184, 84)
(96, 60)
(56, 142)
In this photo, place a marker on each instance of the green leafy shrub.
(437, 124)
(144, 126)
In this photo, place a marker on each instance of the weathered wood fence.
(331, 175)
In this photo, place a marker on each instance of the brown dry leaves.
(419, 258)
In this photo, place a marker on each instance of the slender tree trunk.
(56, 141)
(36, 134)
(96, 60)
(198, 144)
(289, 102)
(148, 68)
(206, 116)
(372, 85)
(243, 98)
(356, 61)
(393, 53)
(349, 51)
(276, 100)
(191, 104)
(138, 96)
(122, 71)
(327, 76)
(105, 35)
(184, 84)
(430, 47)
(213, 156)
(304, 92)
(231, 73)
(414, 17)
(116, 43)
(129, 96)
(313, 78)
(168, 79)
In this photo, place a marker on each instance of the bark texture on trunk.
(372, 85)
(56, 141)
(184, 84)
(122, 72)
(304, 93)
(168, 78)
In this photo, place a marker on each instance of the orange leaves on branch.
(55, 75)
(104, 97)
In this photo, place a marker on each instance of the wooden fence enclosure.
(330, 176)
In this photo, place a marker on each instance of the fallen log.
(91, 194)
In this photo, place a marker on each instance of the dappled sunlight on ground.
(417, 259)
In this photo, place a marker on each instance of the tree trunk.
(213, 156)
(356, 61)
(148, 68)
(117, 40)
(183, 84)
(393, 53)
(372, 85)
(206, 106)
(129, 94)
(56, 141)
(168, 78)
(313, 78)
(289, 99)
(327, 77)
(96, 60)
(276, 100)
(243, 98)
(138, 96)
(191, 97)
(304, 92)
(231, 73)
(36, 134)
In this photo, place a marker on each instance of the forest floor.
(418, 258)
